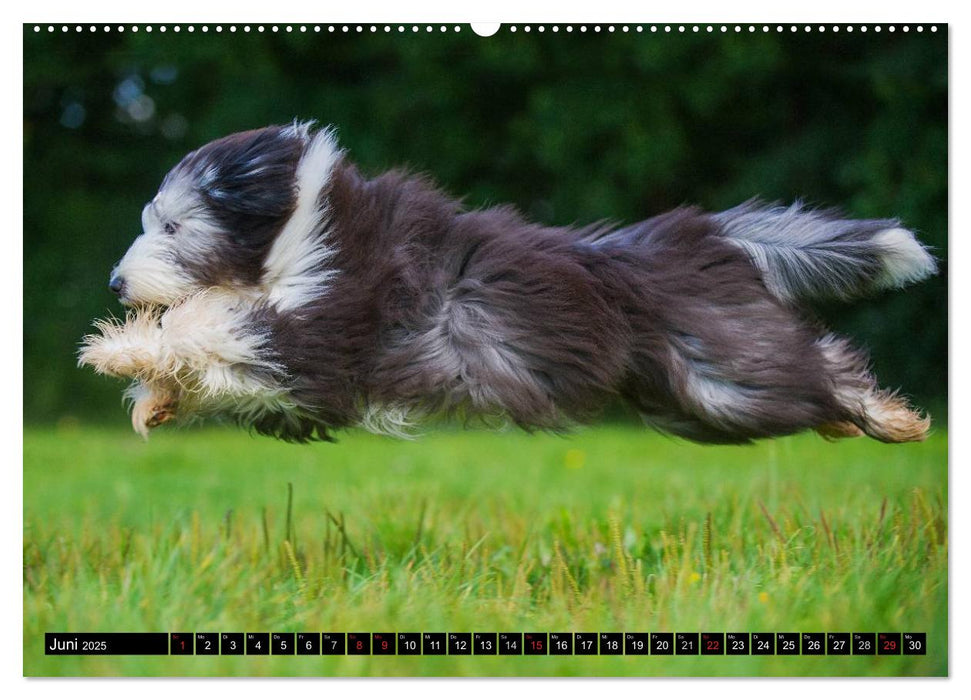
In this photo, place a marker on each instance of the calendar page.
(441, 349)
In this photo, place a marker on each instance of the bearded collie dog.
(275, 285)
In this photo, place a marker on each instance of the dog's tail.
(808, 254)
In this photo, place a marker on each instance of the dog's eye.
(171, 228)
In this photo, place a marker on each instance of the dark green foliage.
(568, 127)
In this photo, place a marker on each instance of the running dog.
(276, 285)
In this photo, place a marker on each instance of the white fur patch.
(150, 274)
(724, 403)
(851, 386)
(149, 267)
(720, 401)
(294, 272)
(395, 421)
(904, 259)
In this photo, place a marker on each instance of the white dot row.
(246, 28)
(751, 28)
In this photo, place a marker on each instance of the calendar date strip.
(486, 643)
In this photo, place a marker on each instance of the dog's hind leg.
(880, 413)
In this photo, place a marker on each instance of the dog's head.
(217, 215)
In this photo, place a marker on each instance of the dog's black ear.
(250, 174)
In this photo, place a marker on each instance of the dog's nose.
(116, 284)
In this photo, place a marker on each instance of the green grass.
(611, 529)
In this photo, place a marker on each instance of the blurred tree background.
(568, 127)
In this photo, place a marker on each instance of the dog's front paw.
(151, 406)
(130, 349)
